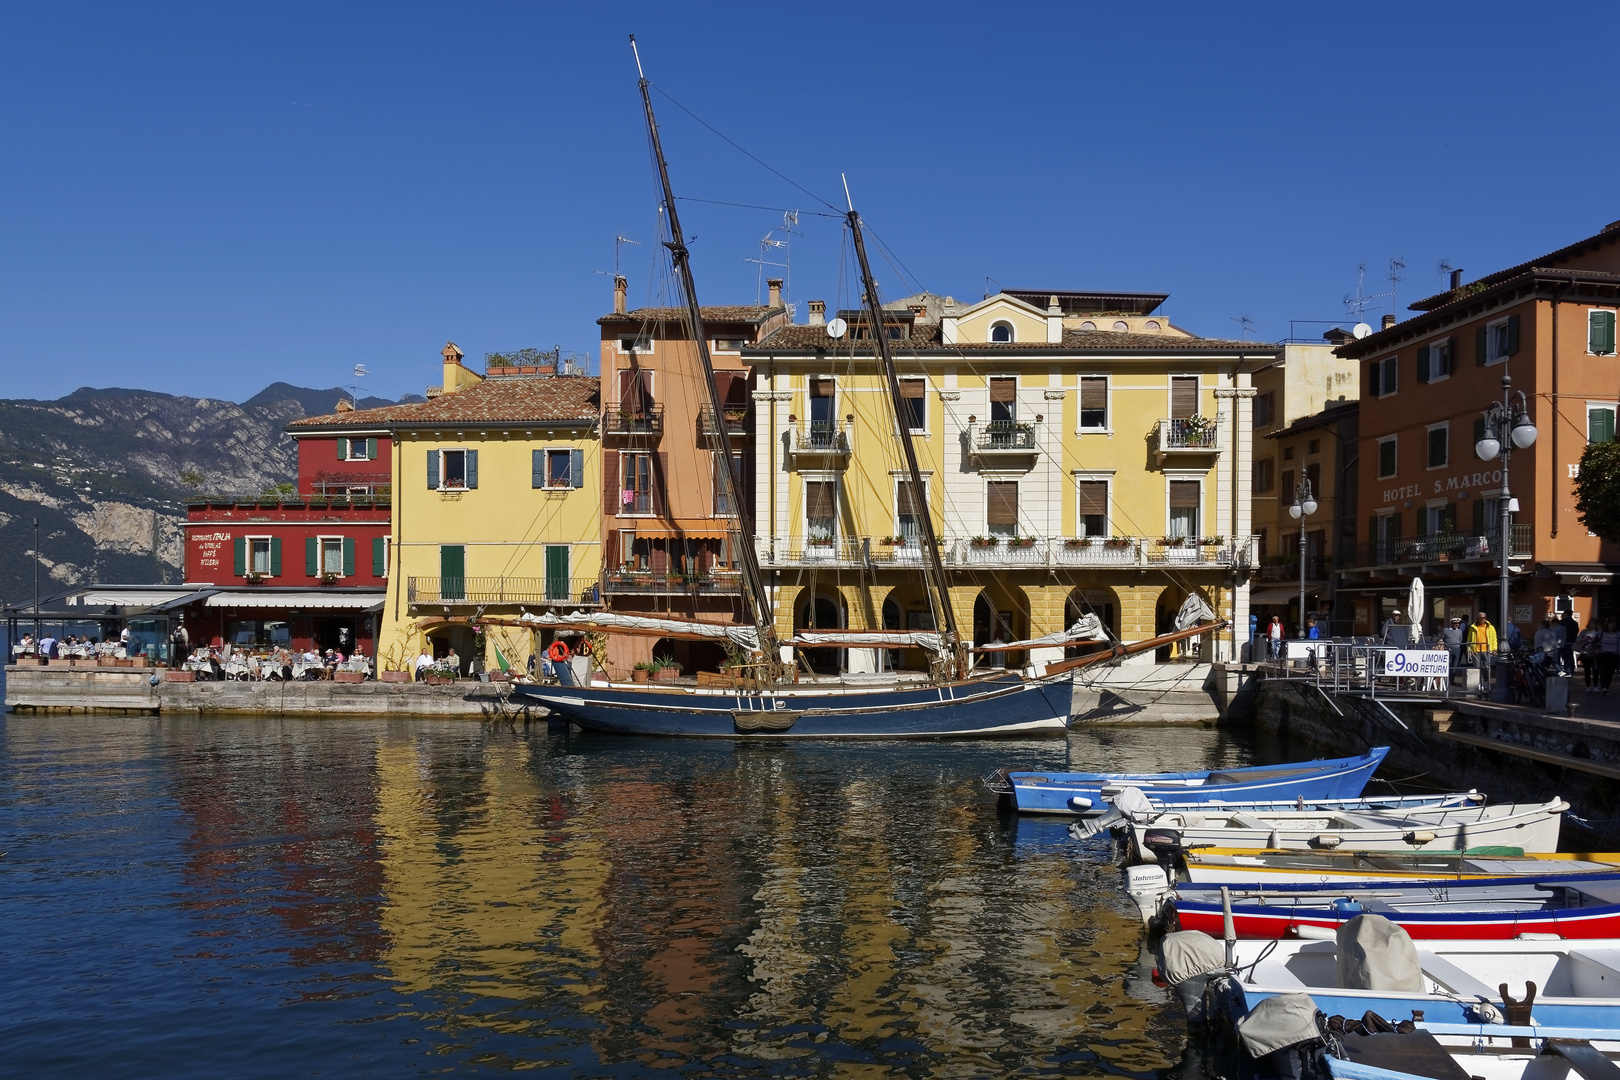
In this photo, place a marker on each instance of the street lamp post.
(36, 583)
(1304, 506)
(1507, 425)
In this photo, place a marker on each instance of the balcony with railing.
(823, 442)
(1286, 568)
(1004, 437)
(579, 592)
(1186, 436)
(633, 419)
(1444, 553)
(1007, 553)
(736, 419)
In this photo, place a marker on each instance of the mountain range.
(107, 472)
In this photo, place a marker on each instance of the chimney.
(1053, 307)
(919, 313)
(344, 405)
(456, 377)
(818, 313)
(620, 288)
(1389, 321)
(1456, 280)
(775, 284)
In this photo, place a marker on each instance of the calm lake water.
(201, 898)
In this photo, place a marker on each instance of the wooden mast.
(759, 597)
(919, 501)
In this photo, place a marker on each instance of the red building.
(300, 569)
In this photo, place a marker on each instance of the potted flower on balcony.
(820, 538)
(643, 671)
(985, 541)
(1077, 542)
(329, 577)
(254, 577)
(1214, 541)
(665, 668)
(1021, 542)
(1200, 430)
(891, 541)
(440, 674)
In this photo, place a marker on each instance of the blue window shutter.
(433, 470)
(537, 468)
(576, 467)
(379, 555)
(371, 449)
(1513, 335)
(472, 468)
(239, 563)
(275, 556)
(311, 557)
(348, 556)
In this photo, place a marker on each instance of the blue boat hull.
(972, 710)
(1332, 778)
(1437, 1009)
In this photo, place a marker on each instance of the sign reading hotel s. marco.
(1443, 485)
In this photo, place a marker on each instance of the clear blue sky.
(207, 198)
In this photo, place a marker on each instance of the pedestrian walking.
(1274, 635)
(1452, 638)
(1566, 652)
(1586, 648)
(1481, 645)
(1608, 654)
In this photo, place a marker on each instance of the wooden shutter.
(576, 467)
(1391, 367)
(1600, 425)
(379, 556)
(348, 556)
(537, 468)
(1482, 346)
(1184, 494)
(1513, 335)
(658, 556)
(472, 469)
(239, 556)
(275, 556)
(1442, 358)
(660, 481)
(312, 556)
(1287, 489)
(1313, 476)
(1183, 396)
(1423, 363)
(1600, 333)
(904, 504)
(1093, 497)
(342, 448)
(912, 388)
(820, 499)
(371, 449)
(1001, 503)
(1093, 393)
(611, 498)
(433, 470)
(820, 388)
(1003, 389)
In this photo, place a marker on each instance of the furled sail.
(746, 637)
(1193, 612)
(1087, 628)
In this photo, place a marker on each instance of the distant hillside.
(102, 470)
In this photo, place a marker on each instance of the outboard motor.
(1285, 1038)
(1186, 960)
(1148, 884)
(1163, 844)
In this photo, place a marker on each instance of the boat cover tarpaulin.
(1193, 612)
(745, 636)
(1277, 1023)
(1375, 954)
(1088, 628)
(1186, 954)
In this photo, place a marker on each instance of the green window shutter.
(576, 466)
(239, 554)
(1600, 332)
(557, 572)
(472, 469)
(343, 448)
(1600, 425)
(275, 556)
(371, 449)
(1481, 345)
(1513, 335)
(312, 560)
(1423, 363)
(379, 556)
(452, 571)
(348, 556)
(537, 468)
(433, 470)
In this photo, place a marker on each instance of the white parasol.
(1414, 608)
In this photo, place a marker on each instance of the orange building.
(666, 526)
(1429, 505)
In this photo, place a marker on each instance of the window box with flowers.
(329, 577)
(985, 541)
(1077, 542)
(1021, 542)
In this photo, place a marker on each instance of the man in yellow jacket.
(1481, 641)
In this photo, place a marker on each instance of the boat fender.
(1418, 838)
(1080, 803)
(1327, 841)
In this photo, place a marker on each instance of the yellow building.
(497, 507)
(1080, 454)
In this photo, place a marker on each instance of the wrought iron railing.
(1444, 547)
(820, 438)
(1008, 553)
(1006, 435)
(735, 419)
(651, 583)
(633, 418)
(1188, 433)
(503, 590)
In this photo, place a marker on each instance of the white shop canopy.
(313, 599)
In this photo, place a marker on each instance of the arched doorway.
(821, 611)
(1081, 602)
(1164, 621)
(1000, 613)
(442, 639)
(908, 608)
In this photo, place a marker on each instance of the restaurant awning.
(318, 599)
(1281, 593)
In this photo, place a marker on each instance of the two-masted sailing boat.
(954, 703)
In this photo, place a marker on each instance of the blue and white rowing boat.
(1086, 794)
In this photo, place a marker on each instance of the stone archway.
(820, 610)
(442, 639)
(1000, 613)
(907, 608)
(1098, 600)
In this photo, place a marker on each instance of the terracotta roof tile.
(510, 399)
(737, 313)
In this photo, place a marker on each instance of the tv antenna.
(1395, 277)
(988, 291)
(1245, 324)
(769, 243)
(360, 372)
(1358, 304)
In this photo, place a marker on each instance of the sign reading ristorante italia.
(1443, 485)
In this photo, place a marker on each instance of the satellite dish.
(837, 328)
(1360, 330)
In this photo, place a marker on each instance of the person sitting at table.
(423, 663)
